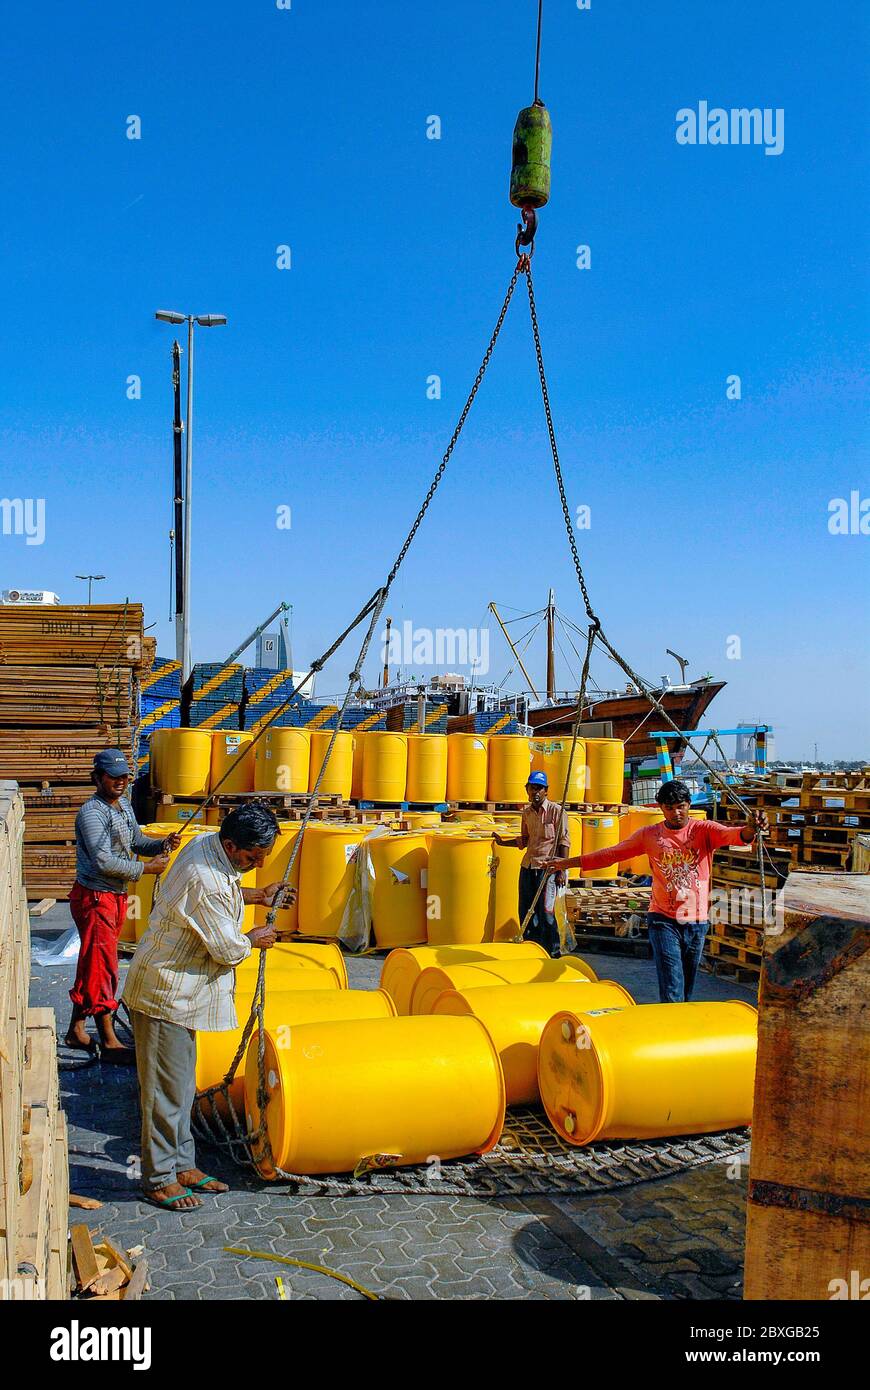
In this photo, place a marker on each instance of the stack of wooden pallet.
(815, 823)
(604, 918)
(68, 687)
(34, 1193)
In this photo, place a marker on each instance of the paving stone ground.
(678, 1237)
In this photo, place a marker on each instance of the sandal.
(203, 1183)
(168, 1203)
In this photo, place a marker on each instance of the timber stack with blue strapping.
(216, 696)
(406, 717)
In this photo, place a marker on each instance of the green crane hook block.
(533, 143)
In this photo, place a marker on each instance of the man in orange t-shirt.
(680, 852)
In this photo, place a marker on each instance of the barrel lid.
(570, 1077)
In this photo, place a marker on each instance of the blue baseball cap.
(112, 762)
(537, 779)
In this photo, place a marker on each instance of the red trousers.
(99, 918)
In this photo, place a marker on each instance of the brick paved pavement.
(677, 1237)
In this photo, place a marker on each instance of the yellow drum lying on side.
(515, 1017)
(392, 1090)
(648, 1072)
(283, 1009)
(402, 968)
(300, 955)
(436, 978)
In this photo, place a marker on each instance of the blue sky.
(307, 127)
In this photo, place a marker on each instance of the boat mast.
(385, 680)
(551, 646)
(519, 660)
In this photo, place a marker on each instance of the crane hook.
(526, 229)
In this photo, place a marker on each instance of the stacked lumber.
(34, 1170)
(69, 686)
(807, 1234)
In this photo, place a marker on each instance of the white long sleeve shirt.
(184, 966)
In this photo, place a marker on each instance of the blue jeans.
(677, 949)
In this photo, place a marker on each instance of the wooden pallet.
(728, 949)
(288, 801)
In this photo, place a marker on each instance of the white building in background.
(745, 752)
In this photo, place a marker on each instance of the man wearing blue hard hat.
(108, 841)
(544, 837)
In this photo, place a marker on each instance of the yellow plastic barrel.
(648, 1072)
(338, 777)
(697, 815)
(214, 815)
(286, 956)
(403, 967)
(515, 1017)
(600, 832)
(459, 888)
(140, 898)
(179, 816)
(232, 758)
(553, 755)
(427, 767)
(466, 767)
(272, 871)
(398, 895)
(356, 781)
(385, 766)
(509, 764)
(155, 740)
(282, 761)
(398, 1090)
(282, 1010)
(575, 839)
(606, 760)
(503, 922)
(471, 818)
(436, 978)
(637, 817)
(326, 876)
(422, 820)
(185, 761)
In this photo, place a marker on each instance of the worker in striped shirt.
(183, 980)
(108, 841)
(543, 835)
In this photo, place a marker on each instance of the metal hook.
(526, 229)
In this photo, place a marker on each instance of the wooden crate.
(14, 984)
(808, 1223)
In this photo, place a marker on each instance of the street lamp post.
(182, 619)
(90, 578)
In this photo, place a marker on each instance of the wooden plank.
(807, 1221)
(85, 1265)
(44, 905)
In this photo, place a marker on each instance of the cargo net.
(530, 1158)
(216, 1115)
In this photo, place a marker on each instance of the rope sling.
(219, 1123)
